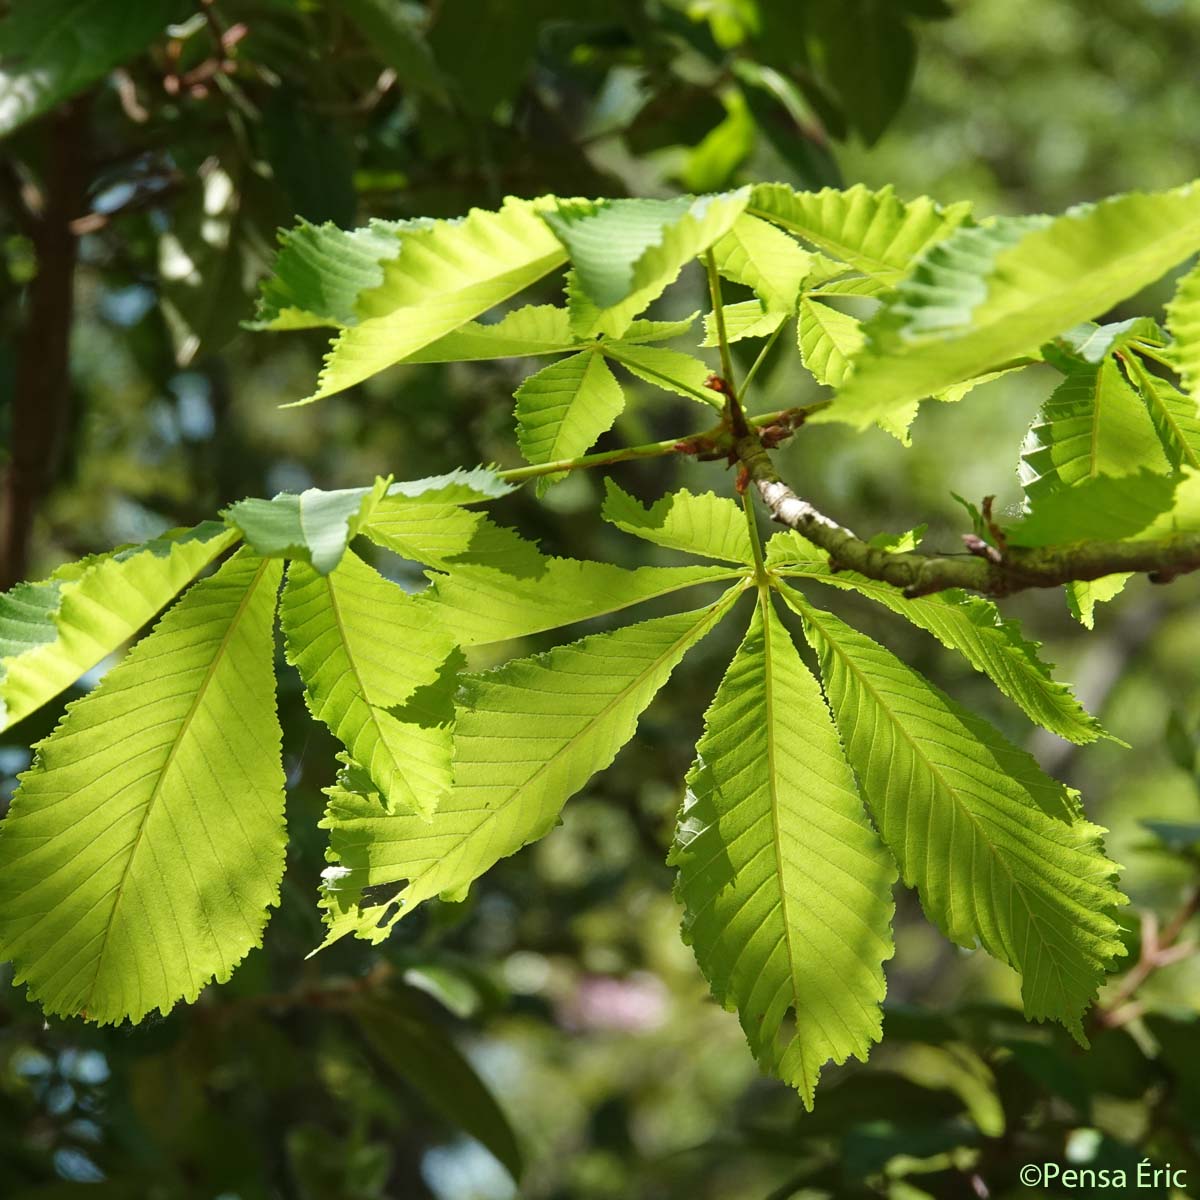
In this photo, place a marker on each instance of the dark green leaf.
(51, 50)
(421, 1053)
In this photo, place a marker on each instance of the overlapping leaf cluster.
(146, 843)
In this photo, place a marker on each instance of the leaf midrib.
(712, 613)
(808, 614)
(764, 604)
(185, 725)
(882, 271)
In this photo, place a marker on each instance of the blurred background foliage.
(554, 1019)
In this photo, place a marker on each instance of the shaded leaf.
(51, 51)
(422, 1053)
(1093, 424)
(1100, 508)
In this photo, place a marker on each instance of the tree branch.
(42, 394)
(1160, 948)
(713, 443)
(986, 569)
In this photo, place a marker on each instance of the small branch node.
(981, 549)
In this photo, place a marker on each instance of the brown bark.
(41, 400)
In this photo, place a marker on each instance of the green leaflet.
(482, 604)
(397, 35)
(747, 318)
(1101, 507)
(1183, 322)
(422, 1053)
(1082, 597)
(1183, 515)
(625, 253)
(970, 625)
(1093, 424)
(987, 295)
(1000, 852)
(706, 525)
(461, 486)
(762, 257)
(363, 647)
(145, 844)
(54, 631)
(447, 536)
(670, 370)
(321, 270)
(786, 887)
(1090, 343)
(872, 231)
(1176, 419)
(530, 735)
(446, 274)
(314, 527)
(524, 332)
(51, 51)
(607, 239)
(828, 341)
(424, 520)
(565, 407)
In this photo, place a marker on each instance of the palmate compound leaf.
(625, 253)
(145, 844)
(970, 625)
(52, 632)
(873, 232)
(1001, 853)
(786, 888)
(988, 294)
(365, 649)
(527, 738)
(446, 274)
